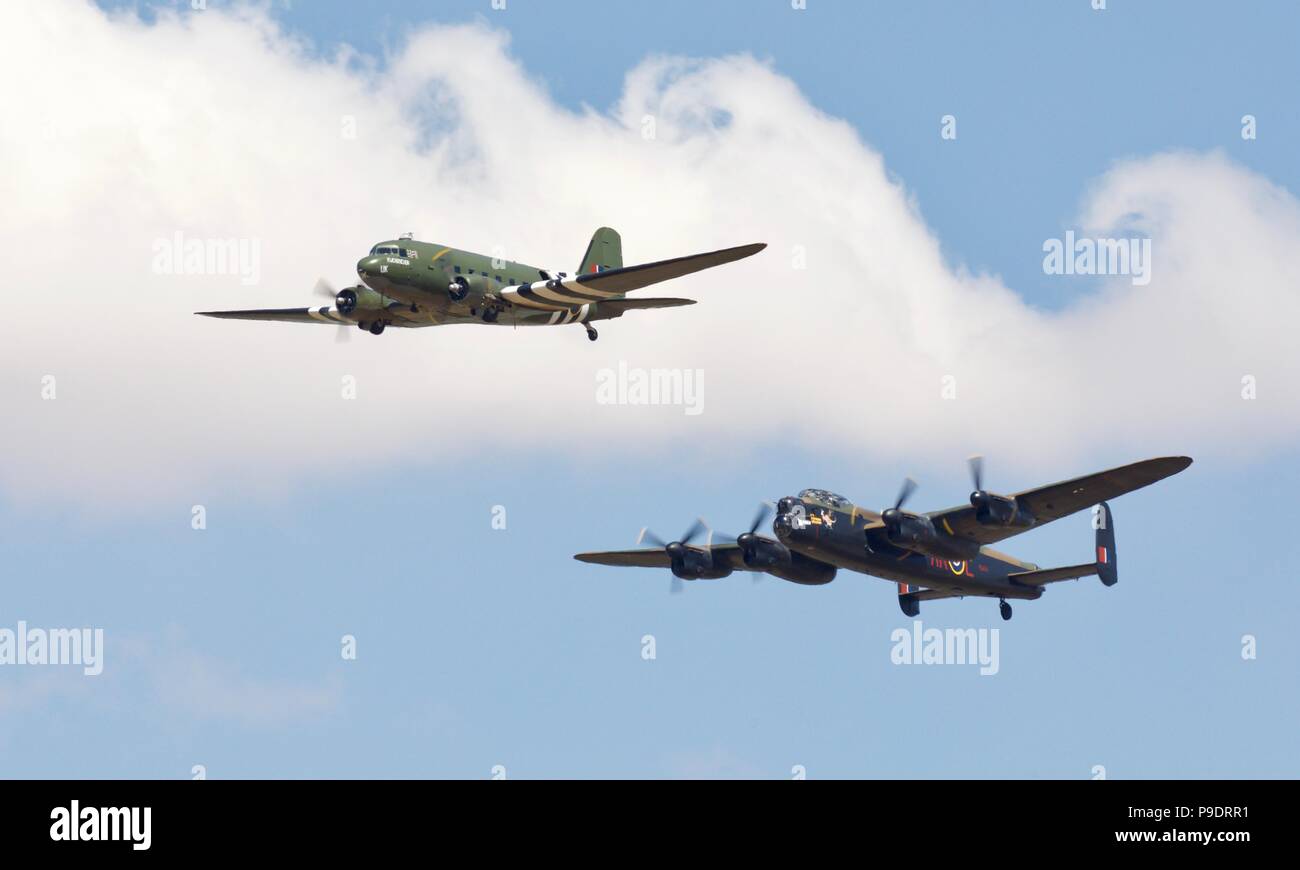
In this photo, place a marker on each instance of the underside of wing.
(1051, 502)
(655, 558)
(557, 295)
(324, 314)
(723, 555)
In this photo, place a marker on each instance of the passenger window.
(457, 269)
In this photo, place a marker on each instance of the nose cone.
(367, 268)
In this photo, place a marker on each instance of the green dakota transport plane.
(942, 554)
(410, 283)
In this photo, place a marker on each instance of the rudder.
(1107, 561)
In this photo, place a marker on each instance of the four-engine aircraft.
(410, 283)
(942, 554)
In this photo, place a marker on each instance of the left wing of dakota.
(610, 284)
(324, 314)
(1047, 503)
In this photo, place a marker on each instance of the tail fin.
(907, 600)
(1107, 560)
(604, 252)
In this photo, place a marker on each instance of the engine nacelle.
(694, 565)
(998, 510)
(804, 571)
(917, 533)
(761, 554)
(357, 302)
(467, 289)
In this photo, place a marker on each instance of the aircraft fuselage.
(831, 529)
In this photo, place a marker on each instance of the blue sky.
(480, 647)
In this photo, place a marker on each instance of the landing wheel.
(592, 335)
(377, 328)
(490, 315)
(1005, 609)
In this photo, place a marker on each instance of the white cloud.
(217, 124)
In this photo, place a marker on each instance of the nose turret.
(783, 524)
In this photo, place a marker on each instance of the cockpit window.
(386, 249)
(824, 497)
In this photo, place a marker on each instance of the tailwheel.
(591, 333)
(377, 328)
(1005, 609)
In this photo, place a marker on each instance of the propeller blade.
(647, 535)
(693, 532)
(675, 586)
(708, 539)
(976, 464)
(343, 335)
(909, 487)
(324, 288)
(764, 508)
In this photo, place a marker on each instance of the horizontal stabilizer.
(1052, 575)
(630, 304)
(612, 308)
(910, 597)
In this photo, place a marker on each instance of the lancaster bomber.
(942, 554)
(410, 283)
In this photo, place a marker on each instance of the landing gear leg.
(377, 328)
(1005, 609)
(591, 333)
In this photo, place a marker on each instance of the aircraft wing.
(657, 558)
(324, 314)
(613, 283)
(1051, 502)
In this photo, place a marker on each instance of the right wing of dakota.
(609, 286)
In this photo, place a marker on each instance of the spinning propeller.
(677, 548)
(980, 499)
(345, 302)
(749, 540)
(891, 517)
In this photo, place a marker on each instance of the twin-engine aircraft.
(410, 283)
(942, 554)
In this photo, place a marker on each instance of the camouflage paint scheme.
(408, 283)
